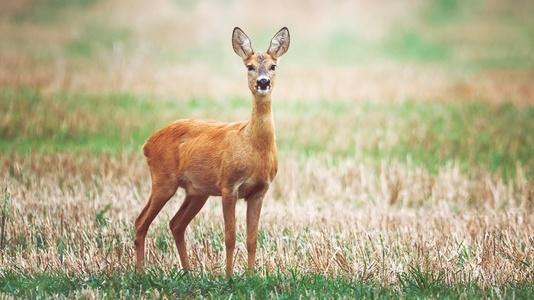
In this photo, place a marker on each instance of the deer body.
(232, 160)
(205, 157)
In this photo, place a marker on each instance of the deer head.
(261, 67)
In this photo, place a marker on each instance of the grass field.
(404, 133)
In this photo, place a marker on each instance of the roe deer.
(232, 160)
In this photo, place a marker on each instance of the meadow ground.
(405, 146)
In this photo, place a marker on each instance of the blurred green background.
(422, 82)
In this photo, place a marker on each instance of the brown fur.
(232, 160)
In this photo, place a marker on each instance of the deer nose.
(263, 82)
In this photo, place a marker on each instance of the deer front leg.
(229, 200)
(254, 204)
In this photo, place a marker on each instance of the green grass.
(474, 134)
(429, 134)
(158, 283)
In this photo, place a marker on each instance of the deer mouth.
(263, 88)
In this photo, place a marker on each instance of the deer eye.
(273, 67)
(250, 67)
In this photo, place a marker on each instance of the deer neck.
(261, 126)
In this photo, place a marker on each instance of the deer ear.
(241, 43)
(279, 43)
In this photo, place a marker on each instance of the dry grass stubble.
(372, 223)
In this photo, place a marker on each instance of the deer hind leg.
(189, 209)
(162, 191)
